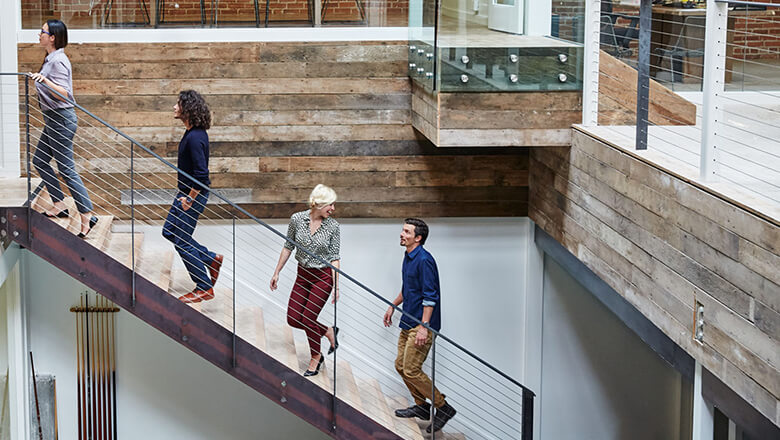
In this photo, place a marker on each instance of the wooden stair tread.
(346, 387)
(155, 264)
(408, 428)
(250, 325)
(304, 356)
(182, 284)
(281, 345)
(73, 222)
(220, 308)
(99, 235)
(118, 247)
(374, 403)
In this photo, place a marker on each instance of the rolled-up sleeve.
(430, 284)
(290, 234)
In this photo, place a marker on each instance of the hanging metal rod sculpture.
(96, 368)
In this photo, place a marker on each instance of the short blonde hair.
(321, 196)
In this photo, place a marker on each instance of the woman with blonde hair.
(315, 230)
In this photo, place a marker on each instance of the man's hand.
(422, 336)
(37, 77)
(388, 320)
(185, 205)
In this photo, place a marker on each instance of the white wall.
(164, 390)
(600, 381)
(482, 267)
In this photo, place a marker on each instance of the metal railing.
(725, 61)
(129, 181)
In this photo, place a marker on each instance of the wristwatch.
(189, 199)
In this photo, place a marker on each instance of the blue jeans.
(178, 228)
(57, 141)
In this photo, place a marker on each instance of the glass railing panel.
(422, 42)
(509, 46)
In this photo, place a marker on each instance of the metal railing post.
(528, 415)
(27, 143)
(433, 385)
(590, 83)
(234, 291)
(643, 76)
(715, 34)
(335, 353)
(132, 219)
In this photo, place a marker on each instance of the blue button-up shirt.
(420, 288)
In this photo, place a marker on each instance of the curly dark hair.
(193, 109)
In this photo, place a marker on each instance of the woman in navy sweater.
(202, 264)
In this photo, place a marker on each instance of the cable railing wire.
(107, 170)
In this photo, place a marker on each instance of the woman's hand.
(335, 294)
(185, 204)
(37, 77)
(274, 281)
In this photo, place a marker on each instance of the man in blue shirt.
(202, 264)
(421, 297)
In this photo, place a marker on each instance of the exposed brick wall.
(760, 33)
(757, 37)
(77, 13)
(570, 18)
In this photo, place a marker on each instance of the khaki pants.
(409, 365)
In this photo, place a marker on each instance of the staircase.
(243, 330)
(155, 264)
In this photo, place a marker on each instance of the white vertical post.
(715, 34)
(590, 68)
(703, 412)
(9, 91)
(18, 375)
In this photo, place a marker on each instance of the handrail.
(744, 3)
(280, 235)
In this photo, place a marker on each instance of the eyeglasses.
(44, 32)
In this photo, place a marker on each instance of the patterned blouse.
(325, 243)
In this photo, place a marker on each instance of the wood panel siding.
(617, 97)
(527, 119)
(286, 116)
(666, 245)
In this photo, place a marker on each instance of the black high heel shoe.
(308, 373)
(335, 340)
(61, 214)
(92, 222)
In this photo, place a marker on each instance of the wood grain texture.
(617, 95)
(664, 245)
(287, 116)
(537, 119)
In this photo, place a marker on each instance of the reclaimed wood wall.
(537, 119)
(665, 245)
(286, 116)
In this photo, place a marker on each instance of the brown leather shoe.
(197, 295)
(214, 267)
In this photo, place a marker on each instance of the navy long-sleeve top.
(420, 288)
(194, 160)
